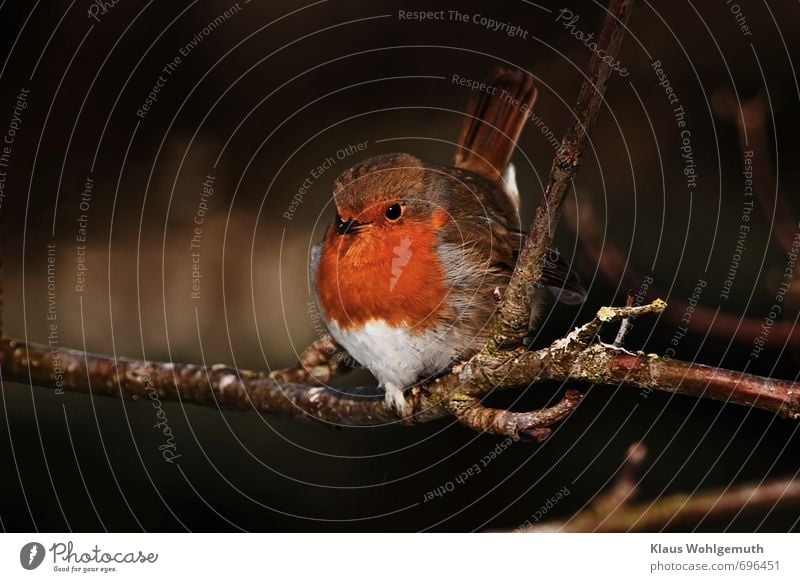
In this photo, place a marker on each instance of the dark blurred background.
(259, 100)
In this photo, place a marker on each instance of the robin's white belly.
(396, 356)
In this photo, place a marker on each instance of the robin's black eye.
(394, 212)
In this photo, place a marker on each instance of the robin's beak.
(349, 226)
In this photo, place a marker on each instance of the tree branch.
(513, 317)
(613, 511)
(284, 393)
(297, 392)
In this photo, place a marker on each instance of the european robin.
(411, 271)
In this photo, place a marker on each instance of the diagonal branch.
(512, 319)
(612, 511)
(686, 512)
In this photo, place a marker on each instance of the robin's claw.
(396, 400)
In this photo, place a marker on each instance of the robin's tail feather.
(493, 122)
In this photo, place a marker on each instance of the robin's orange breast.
(391, 273)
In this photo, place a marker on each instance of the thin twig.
(683, 512)
(623, 491)
(587, 332)
(626, 485)
(625, 325)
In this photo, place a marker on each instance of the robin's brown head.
(384, 191)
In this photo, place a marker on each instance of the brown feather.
(493, 123)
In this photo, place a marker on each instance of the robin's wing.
(557, 277)
(492, 123)
(563, 283)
